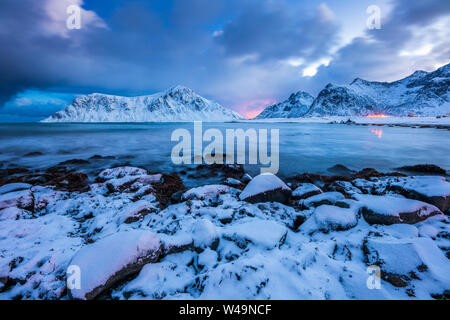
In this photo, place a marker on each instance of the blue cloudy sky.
(245, 54)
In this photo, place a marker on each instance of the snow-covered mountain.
(422, 93)
(176, 104)
(296, 106)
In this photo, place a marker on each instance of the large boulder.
(266, 187)
(112, 259)
(432, 189)
(389, 210)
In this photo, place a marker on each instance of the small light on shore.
(376, 116)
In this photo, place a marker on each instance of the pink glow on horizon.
(253, 108)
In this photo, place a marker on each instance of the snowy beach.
(132, 234)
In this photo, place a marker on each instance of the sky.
(244, 54)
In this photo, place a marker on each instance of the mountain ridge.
(176, 104)
(421, 93)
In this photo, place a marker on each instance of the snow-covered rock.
(121, 172)
(137, 211)
(233, 182)
(14, 187)
(305, 190)
(331, 218)
(204, 234)
(403, 260)
(329, 198)
(296, 106)
(11, 213)
(22, 199)
(213, 245)
(266, 187)
(176, 104)
(207, 192)
(345, 187)
(112, 259)
(431, 189)
(390, 210)
(267, 234)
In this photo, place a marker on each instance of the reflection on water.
(377, 132)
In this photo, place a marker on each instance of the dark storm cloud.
(140, 47)
(141, 50)
(277, 31)
(383, 54)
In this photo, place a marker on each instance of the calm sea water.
(303, 147)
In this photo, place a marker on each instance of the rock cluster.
(133, 234)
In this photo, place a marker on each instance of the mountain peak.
(294, 107)
(423, 93)
(178, 103)
(179, 89)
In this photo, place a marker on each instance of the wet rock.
(112, 259)
(389, 210)
(176, 197)
(235, 171)
(72, 182)
(340, 169)
(99, 157)
(73, 162)
(33, 154)
(171, 183)
(8, 172)
(266, 188)
(305, 190)
(424, 168)
(368, 173)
